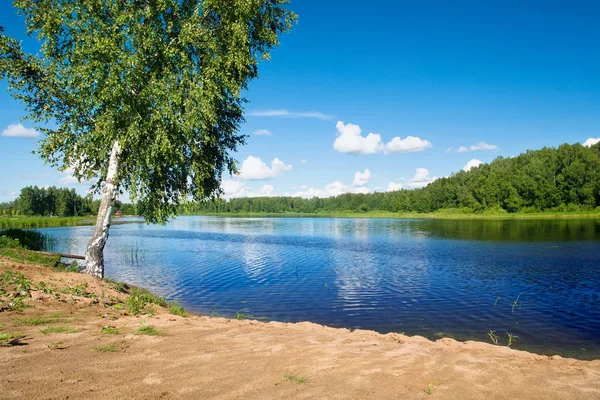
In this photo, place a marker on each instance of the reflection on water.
(537, 279)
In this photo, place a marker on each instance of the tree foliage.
(560, 179)
(56, 202)
(164, 78)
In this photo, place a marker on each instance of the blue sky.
(496, 78)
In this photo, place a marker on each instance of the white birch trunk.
(94, 254)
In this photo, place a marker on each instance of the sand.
(200, 357)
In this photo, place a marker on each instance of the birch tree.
(141, 96)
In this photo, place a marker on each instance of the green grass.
(28, 239)
(43, 222)
(107, 348)
(442, 214)
(493, 337)
(10, 339)
(58, 329)
(41, 320)
(110, 330)
(148, 330)
(55, 345)
(176, 309)
(139, 299)
(30, 257)
(290, 377)
(430, 389)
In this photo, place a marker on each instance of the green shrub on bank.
(28, 239)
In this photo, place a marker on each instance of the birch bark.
(94, 254)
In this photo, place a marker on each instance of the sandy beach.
(77, 340)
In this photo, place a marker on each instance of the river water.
(538, 280)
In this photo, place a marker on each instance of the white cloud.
(18, 130)
(410, 144)
(449, 150)
(420, 179)
(361, 179)
(68, 178)
(289, 114)
(350, 140)
(235, 188)
(478, 146)
(591, 141)
(262, 132)
(472, 164)
(253, 168)
(393, 186)
(303, 161)
(333, 189)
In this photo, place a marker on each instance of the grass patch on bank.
(30, 257)
(148, 330)
(59, 329)
(176, 309)
(107, 348)
(44, 222)
(37, 320)
(291, 377)
(110, 330)
(441, 214)
(10, 338)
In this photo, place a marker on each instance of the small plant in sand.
(148, 330)
(55, 345)
(110, 330)
(291, 377)
(239, 316)
(36, 320)
(430, 388)
(140, 298)
(58, 329)
(176, 309)
(511, 339)
(493, 337)
(108, 348)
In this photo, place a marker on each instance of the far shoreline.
(32, 222)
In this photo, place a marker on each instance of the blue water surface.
(538, 280)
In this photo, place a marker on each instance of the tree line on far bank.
(560, 179)
(56, 202)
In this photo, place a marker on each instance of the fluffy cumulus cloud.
(361, 179)
(262, 132)
(410, 144)
(333, 189)
(591, 141)
(351, 140)
(478, 146)
(420, 179)
(472, 164)
(68, 178)
(289, 114)
(253, 168)
(18, 130)
(393, 186)
(236, 188)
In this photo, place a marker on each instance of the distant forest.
(550, 179)
(55, 202)
(561, 180)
